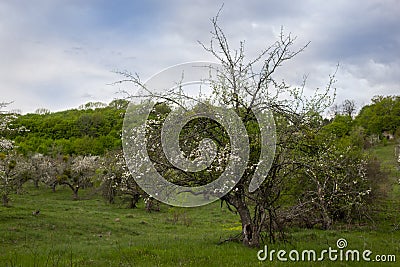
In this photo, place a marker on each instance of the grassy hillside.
(76, 131)
(90, 232)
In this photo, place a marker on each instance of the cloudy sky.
(61, 54)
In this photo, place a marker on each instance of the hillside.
(83, 131)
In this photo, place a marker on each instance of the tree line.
(89, 130)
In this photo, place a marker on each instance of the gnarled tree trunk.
(250, 231)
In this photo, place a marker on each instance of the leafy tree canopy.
(93, 130)
(380, 116)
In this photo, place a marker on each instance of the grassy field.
(90, 232)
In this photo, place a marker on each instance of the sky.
(59, 54)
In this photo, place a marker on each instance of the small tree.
(42, 170)
(7, 172)
(111, 171)
(76, 172)
(333, 183)
(10, 169)
(13, 173)
(349, 107)
(117, 180)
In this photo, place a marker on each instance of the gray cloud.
(55, 52)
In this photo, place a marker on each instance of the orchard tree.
(43, 170)
(13, 171)
(76, 172)
(117, 180)
(13, 167)
(111, 171)
(332, 183)
(5, 120)
(8, 161)
(244, 86)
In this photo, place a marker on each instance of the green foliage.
(340, 126)
(83, 132)
(13, 173)
(382, 115)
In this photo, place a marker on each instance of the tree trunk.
(5, 200)
(326, 219)
(75, 190)
(18, 189)
(134, 200)
(53, 187)
(152, 205)
(250, 232)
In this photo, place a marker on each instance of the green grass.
(90, 232)
(387, 157)
(93, 233)
(389, 215)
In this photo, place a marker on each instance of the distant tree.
(50, 172)
(112, 168)
(76, 172)
(42, 111)
(7, 165)
(92, 105)
(13, 173)
(117, 180)
(119, 104)
(380, 116)
(13, 167)
(348, 107)
(6, 118)
(340, 126)
(91, 124)
(42, 170)
(334, 110)
(6, 168)
(16, 111)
